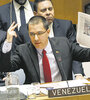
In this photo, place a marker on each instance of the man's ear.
(35, 13)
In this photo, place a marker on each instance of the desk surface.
(27, 89)
(75, 97)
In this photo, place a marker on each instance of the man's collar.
(27, 5)
(50, 26)
(48, 47)
(17, 6)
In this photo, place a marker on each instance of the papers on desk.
(63, 84)
(28, 89)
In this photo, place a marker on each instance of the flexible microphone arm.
(64, 74)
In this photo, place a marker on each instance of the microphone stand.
(64, 75)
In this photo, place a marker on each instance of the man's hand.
(11, 32)
(78, 77)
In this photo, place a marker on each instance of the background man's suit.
(61, 28)
(26, 58)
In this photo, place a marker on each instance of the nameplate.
(69, 91)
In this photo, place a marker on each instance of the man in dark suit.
(63, 28)
(58, 27)
(59, 51)
(11, 12)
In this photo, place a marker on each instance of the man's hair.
(38, 19)
(36, 3)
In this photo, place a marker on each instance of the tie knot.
(22, 7)
(44, 51)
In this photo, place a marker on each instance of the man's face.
(45, 9)
(21, 2)
(38, 35)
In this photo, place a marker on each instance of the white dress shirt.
(6, 47)
(55, 73)
(51, 34)
(27, 9)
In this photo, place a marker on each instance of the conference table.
(41, 91)
(75, 97)
(62, 84)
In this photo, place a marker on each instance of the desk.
(27, 89)
(77, 97)
(74, 97)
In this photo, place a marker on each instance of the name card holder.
(69, 91)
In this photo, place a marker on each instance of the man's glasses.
(38, 34)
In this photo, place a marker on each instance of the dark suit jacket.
(25, 57)
(61, 28)
(64, 28)
(3, 35)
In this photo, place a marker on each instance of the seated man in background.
(43, 59)
(63, 28)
